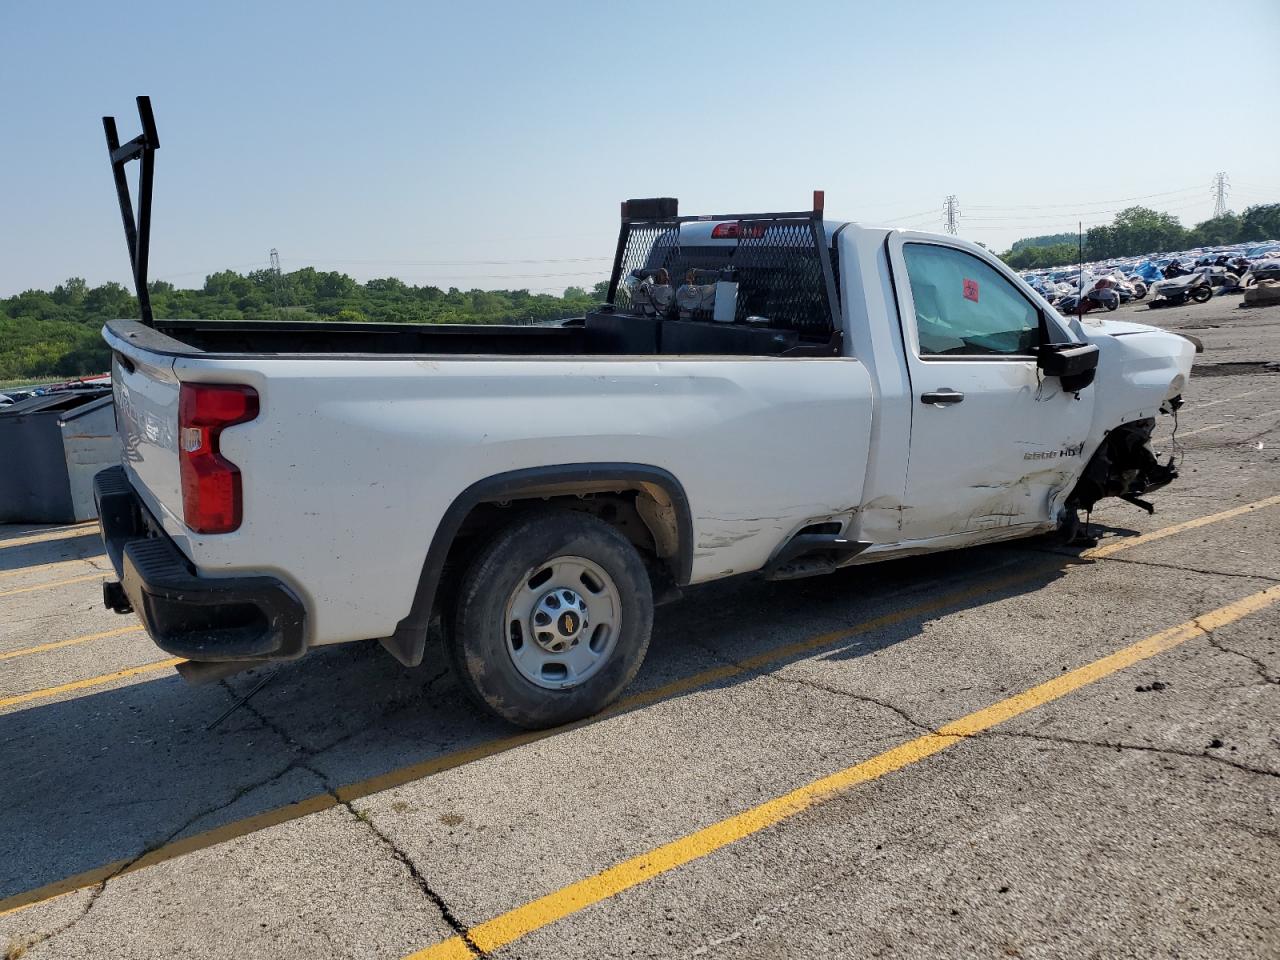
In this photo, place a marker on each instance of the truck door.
(994, 444)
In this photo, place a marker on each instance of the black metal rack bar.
(137, 230)
(819, 202)
(719, 217)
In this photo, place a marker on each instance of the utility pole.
(951, 214)
(1220, 187)
(277, 282)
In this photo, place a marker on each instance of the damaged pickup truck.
(784, 394)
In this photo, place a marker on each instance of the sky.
(489, 144)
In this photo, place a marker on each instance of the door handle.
(945, 395)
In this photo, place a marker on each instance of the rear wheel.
(552, 619)
(1201, 294)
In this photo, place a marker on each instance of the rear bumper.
(187, 615)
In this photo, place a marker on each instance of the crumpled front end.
(1142, 373)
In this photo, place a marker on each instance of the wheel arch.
(661, 503)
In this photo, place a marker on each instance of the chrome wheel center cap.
(559, 619)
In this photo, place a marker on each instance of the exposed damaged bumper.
(1125, 467)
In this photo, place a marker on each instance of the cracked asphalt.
(353, 808)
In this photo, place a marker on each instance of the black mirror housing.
(1075, 364)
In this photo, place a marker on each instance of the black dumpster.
(50, 447)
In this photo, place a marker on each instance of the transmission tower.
(951, 214)
(1220, 187)
(277, 282)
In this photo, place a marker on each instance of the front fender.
(1139, 368)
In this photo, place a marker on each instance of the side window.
(964, 307)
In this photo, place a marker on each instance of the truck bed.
(352, 461)
(218, 338)
(601, 333)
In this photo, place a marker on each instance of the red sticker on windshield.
(971, 290)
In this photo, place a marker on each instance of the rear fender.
(408, 643)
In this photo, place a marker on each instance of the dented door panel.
(995, 445)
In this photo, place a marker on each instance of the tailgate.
(146, 397)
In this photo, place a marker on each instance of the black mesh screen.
(647, 245)
(780, 277)
(775, 263)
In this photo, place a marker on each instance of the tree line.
(57, 333)
(1139, 230)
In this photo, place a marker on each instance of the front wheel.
(1201, 294)
(552, 619)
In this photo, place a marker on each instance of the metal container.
(50, 448)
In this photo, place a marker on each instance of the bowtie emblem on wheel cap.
(559, 619)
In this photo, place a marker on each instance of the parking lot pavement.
(355, 808)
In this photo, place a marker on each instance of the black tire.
(1112, 303)
(478, 643)
(1202, 294)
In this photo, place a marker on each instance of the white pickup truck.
(867, 393)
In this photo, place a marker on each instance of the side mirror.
(1075, 364)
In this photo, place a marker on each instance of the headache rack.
(782, 265)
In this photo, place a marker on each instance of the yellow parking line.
(34, 529)
(1107, 549)
(190, 844)
(511, 926)
(55, 583)
(51, 565)
(1219, 426)
(1192, 433)
(90, 682)
(1213, 403)
(59, 644)
(458, 758)
(51, 535)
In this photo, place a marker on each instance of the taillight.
(737, 231)
(211, 499)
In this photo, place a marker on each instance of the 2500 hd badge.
(1054, 454)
